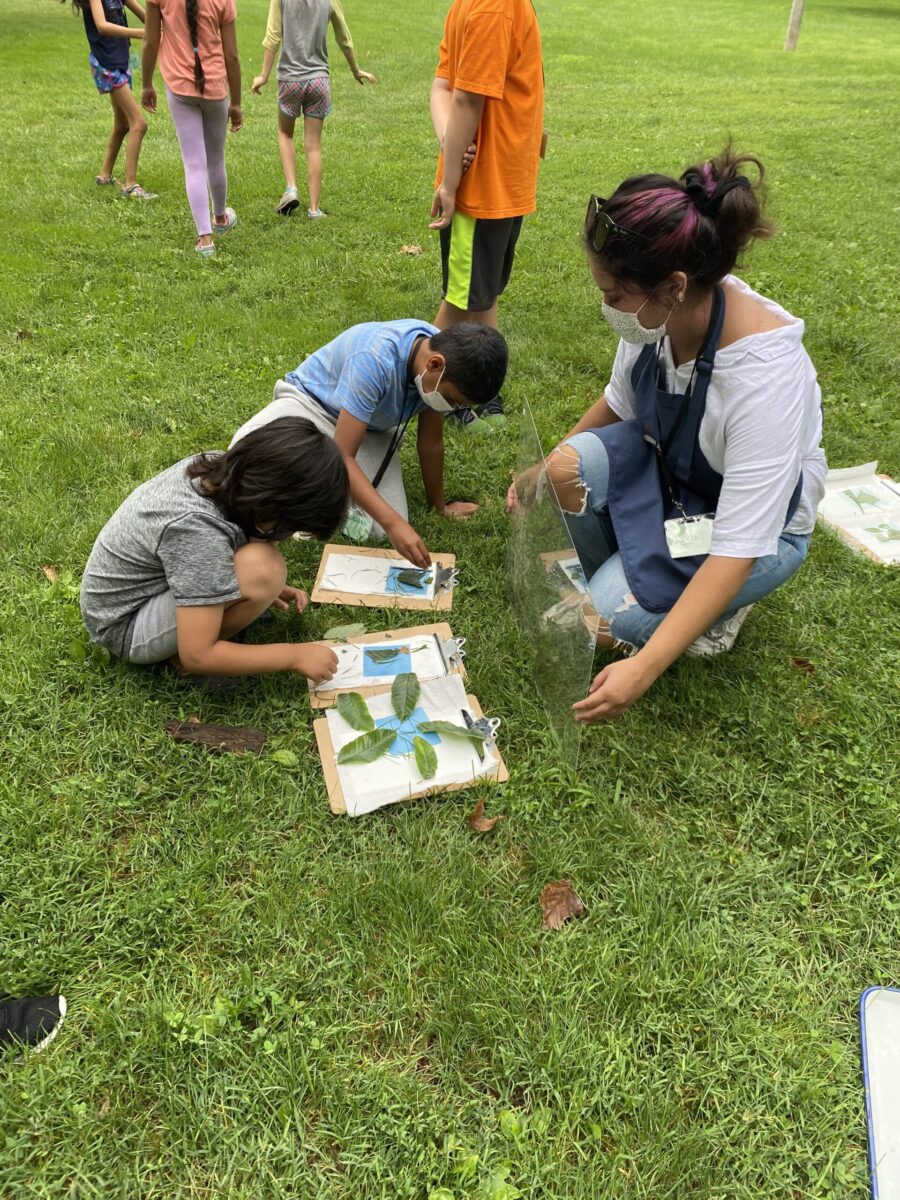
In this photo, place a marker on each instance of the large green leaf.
(405, 694)
(353, 709)
(367, 748)
(339, 632)
(386, 654)
(414, 577)
(448, 729)
(426, 759)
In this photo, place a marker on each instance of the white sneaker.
(719, 637)
(230, 222)
(315, 214)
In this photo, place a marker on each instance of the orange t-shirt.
(493, 48)
(176, 53)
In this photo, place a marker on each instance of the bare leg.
(312, 144)
(124, 102)
(261, 572)
(286, 149)
(449, 314)
(116, 138)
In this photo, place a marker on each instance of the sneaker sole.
(45, 1042)
(287, 208)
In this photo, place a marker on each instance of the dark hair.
(476, 357)
(698, 224)
(287, 474)
(190, 8)
(77, 5)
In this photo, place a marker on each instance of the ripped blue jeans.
(611, 596)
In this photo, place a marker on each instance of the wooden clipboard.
(325, 699)
(498, 774)
(442, 602)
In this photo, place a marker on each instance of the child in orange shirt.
(489, 89)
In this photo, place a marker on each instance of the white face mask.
(629, 328)
(434, 400)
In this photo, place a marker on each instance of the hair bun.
(709, 202)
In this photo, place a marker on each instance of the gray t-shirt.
(165, 536)
(301, 28)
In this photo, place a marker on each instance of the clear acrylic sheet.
(549, 599)
(880, 1021)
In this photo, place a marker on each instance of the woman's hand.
(236, 117)
(614, 690)
(461, 510)
(289, 596)
(523, 489)
(148, 99)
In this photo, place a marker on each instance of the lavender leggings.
(200, 126)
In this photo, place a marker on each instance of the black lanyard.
(397, 439)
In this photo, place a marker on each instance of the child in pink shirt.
(197, 49)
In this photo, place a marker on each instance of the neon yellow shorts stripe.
(459, 261)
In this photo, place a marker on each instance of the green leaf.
(340, 632)
(285, 758)
(78, 650)
(405, 694)
(413, 577)
(426, 759)
(367, 748)
(448, 729)
(511, 1124)
(385, 655)
(441, 1194)
(353, 709)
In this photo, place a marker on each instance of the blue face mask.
(434, 400)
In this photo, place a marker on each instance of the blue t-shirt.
(110, 52)
(365, 372)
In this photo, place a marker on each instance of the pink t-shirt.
(176, 52)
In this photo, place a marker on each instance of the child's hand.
(289, 596)
(469, 156)
(236, 117)
(316, 662)
(258, 84)
(363, 77)
(460, 509)
(407, 542)
(148, 99)
(523, 489)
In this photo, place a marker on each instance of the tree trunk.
(793, 33)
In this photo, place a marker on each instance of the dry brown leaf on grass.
(559, 901)
(479, 822)
(234, 739)
(52, 573)
(23, 334)
(410, 249)
(804, 665)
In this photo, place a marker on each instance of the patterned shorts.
(307, 97)
(108, 79)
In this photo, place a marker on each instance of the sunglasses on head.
(598, 226)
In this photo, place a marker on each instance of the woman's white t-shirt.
(761, 427)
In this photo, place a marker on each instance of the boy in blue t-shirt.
(365, 387)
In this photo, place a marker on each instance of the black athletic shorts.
(476, 259)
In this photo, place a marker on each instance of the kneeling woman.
(692, 484)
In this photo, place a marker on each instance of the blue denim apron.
(644, 484)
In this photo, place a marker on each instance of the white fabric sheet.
(368, 786)
(881, 1023)
(426, 662)
(364, 576)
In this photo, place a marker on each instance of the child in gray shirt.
(189, 559)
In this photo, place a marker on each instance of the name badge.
(686, 536)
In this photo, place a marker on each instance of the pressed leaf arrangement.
(373, 742)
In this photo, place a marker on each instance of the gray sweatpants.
(291, 402)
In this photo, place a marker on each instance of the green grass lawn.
(267, 1001)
